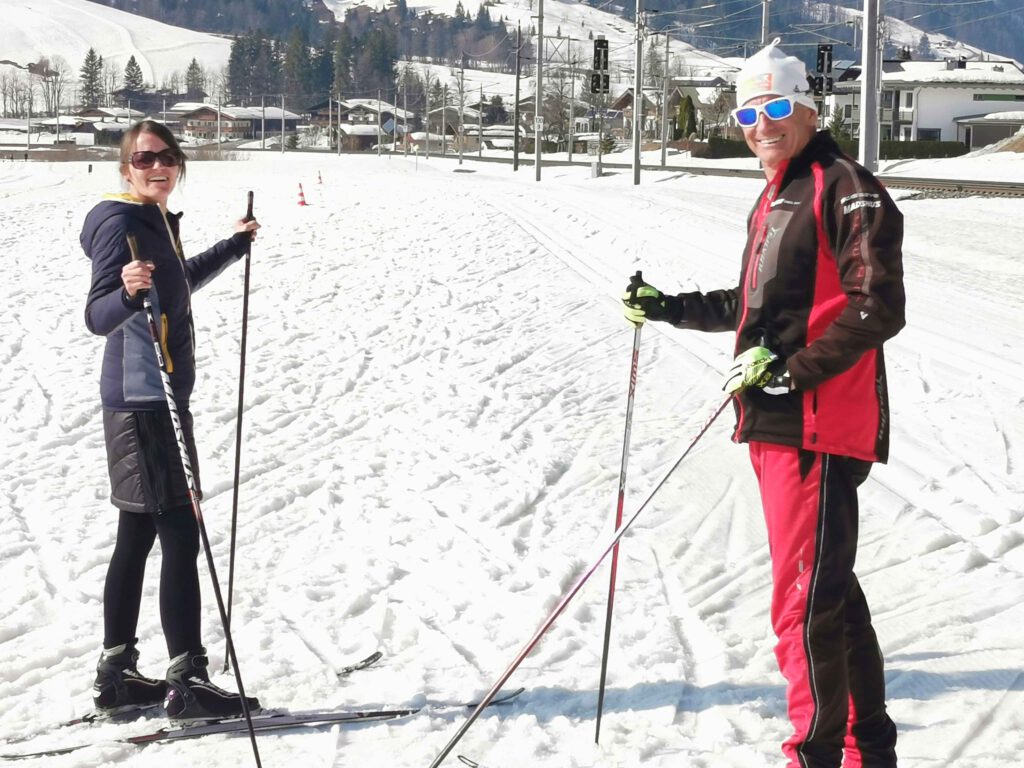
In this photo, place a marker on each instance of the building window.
(929, 134)
(998, 97)
(848, 111)
(908, 99)
(887, 99)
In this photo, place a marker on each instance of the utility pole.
(638, 95)
(572, 97)
(664, 104)
(444, 121)
(480, 125)
(405, 109)
(426, 95)
(379, 142)
(869, 87)
(764, 22)
(263, 121)
(462, 107)
(339, 123)
(515, 112)
(282, 123)
(538, 118)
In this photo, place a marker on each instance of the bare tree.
(53, 75)
(217, 81)
(172, 83)
(717, 112)
(558, 92)
(18, 92)
(6, 93)
(111, 76)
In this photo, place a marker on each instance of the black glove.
(643, 302)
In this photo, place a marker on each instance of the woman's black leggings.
(179, 578)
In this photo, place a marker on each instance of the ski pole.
(618, 522)
(567, 598)
(193, 495)
(238, 421)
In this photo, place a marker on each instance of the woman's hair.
(159, 130)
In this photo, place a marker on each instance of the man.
(821, 288)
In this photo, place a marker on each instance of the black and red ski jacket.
(822, 286)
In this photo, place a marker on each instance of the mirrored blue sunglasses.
(776, 109)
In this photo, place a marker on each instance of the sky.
(436, 381)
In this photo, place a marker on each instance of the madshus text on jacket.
(130, 378)
(821, 285)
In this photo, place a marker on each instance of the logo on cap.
(758, 83)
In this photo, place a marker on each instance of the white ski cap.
(771, 72)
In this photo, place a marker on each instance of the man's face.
(776, 141)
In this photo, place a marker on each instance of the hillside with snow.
(900, 34)
(69, 28)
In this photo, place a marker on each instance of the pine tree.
(240, 70)
(195, 81)
(297, 67)
(687, 117)
(133, 80)
(344, 55)
(837, 125)
(91, 79)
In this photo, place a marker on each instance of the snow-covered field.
(435, 396)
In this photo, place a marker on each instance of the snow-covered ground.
(435, 396)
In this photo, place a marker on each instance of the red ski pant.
(827, 649)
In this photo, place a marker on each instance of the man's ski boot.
(119, 687)
(191, 695)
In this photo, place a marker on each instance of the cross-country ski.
(261, 722)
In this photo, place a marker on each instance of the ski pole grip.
(133, 246)
(248, 211)
(634, 284)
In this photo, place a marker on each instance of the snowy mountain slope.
(900, 34)
(578, 22)
(436, 378)
(68, 28)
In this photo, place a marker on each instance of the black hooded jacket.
(130, 378)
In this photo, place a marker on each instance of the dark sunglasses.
(145, 159)
(776, 109)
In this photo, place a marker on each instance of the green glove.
(757, 367)
(643, 302)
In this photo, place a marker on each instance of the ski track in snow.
(435, 394)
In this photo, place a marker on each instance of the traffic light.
(819, 85)
(599, 82)
(824, 58)
(600, 55)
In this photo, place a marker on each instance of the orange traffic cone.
(302, 197)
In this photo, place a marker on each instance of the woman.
(148, 483)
